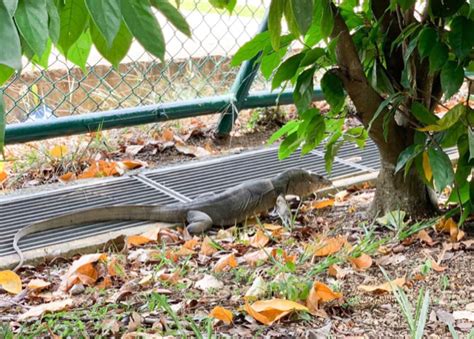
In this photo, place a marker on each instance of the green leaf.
(120, 46)
(173, 15)
(79, 50)
(5, 73)
(288, 146)
(438, 56)
(461, 36)
(448, 120)
(11, 6)
(426, 40)
(422, 114)
(327, 19)
(250, 48)
(10, 53)
(333, 91)
(311, 56)
(73, 18)
(331, 149)
(287, 70)
(407, 154)
(442, 168)
(31, 18)
(290, 19)
(143, 25)
(271, 61)
(443, 8)
(314, 34)
(224, 4)
(452, 77)
(470, 134)
(107, 17)
(303, 92)
(54, 24)
(43, 61)
(314, 133)
(2, 124)
(303, 12)
(450, 136)
(274, 22)
(406, 4)
(290, 127)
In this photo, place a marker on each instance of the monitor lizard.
(229, 207)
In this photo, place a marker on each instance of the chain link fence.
(193, 68)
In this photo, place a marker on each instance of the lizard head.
(300, 182)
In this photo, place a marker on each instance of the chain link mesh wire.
(193, 68)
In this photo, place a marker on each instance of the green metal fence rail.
(196, 79)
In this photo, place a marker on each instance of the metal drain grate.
(22, 212)
(216, 176)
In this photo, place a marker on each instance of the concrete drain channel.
(162, 186)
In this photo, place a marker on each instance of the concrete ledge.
(81, 246)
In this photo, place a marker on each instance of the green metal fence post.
(240, 88)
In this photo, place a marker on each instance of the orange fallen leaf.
(329, 246)
(83, 270)
(223, 314)
(136, 240)
(171, 278)
(184, 252)
(67, 177)
(362, 262)
(262, 255)
(437, 267)
(207, 247)
(10, 281)
(58, 151)
(425, 237)
(386, 287)
(105, 283)
(320, 293)
(3, 177)
(192, 243)
(286, 258)
(319, 204)
(259, 240)
(227, 261)
(37, 284)
(269, 311)
(132, 164)
(37, 311)
(276, 230)
(336, 271)
(167, 135)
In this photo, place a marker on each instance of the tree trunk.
(395, 191)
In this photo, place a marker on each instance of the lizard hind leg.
(198, 222)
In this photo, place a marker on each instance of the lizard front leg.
(198, 222)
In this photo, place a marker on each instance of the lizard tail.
(108, 213)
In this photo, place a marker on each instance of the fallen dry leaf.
(269, 311)
(82, 269)
(336, 272)
(259, 240)
(227, 261)
(208, 282)
(258, 289)
(67, 177)
(10, 281)
(58, 151)
(328, 246)
(171, 278)
(184, 252)
(167, 135)
(319, 204)
(39, 310)
(132, 164)
(3, 177)
(262, 255)
(424, 237)
(386, 287)
(437, 267)
(37, 284)
(223, 314)
(207, 247)
(320, 293)
(342, 196)
(192, 243)
(362, 262)
(198, 151)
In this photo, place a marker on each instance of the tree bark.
(394, 191)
